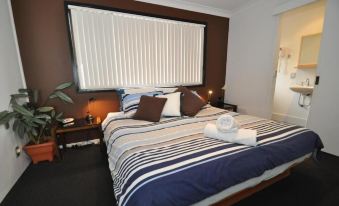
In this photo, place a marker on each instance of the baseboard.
(289, 119)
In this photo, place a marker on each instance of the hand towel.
(242, 136)
(227, 123)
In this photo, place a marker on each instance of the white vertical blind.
(114, 50)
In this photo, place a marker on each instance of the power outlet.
(17, 151)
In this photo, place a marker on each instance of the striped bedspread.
(171, 162)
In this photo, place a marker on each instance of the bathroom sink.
(305, 90)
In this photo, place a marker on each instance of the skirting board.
(289, 119)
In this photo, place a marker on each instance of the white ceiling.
(223, 8)
(228, 5)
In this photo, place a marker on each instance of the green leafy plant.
(30, 118)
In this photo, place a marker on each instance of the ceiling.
(228, 5)
(223, 8)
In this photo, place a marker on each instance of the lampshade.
(224, 87)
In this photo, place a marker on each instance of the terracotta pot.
(41, 152)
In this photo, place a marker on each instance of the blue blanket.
(172, 163)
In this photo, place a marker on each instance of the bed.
(171, 162)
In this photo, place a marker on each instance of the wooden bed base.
(250, 191)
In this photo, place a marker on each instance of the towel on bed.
(241, 136)
(227, 123)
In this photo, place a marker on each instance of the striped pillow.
(130, 102)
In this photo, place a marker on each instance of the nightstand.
(227, 106)
(80, 131)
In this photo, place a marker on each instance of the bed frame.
(250, 191)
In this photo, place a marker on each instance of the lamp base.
(89, 118)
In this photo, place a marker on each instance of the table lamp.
(89, 117)
(210, 92)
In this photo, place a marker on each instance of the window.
(112, 49)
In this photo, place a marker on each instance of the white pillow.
(172, 105)
(138, 90)
(167, 89)
(110, 116)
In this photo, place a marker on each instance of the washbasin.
(305, 90)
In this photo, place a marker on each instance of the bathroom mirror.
(309, 51)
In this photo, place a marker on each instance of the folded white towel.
(227, 123)
(242, 136)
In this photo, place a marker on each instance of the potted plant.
(35, 121)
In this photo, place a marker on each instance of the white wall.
(294, 24)
(11, 79)
(324, 113)
(252, 51)
(252, 47)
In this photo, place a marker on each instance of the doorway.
(299, 43)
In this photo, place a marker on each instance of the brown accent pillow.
(150, 108)
(190, 103)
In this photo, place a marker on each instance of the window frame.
(72, 47)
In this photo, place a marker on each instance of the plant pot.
(41, 152)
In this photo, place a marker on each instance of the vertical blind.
(114, 49)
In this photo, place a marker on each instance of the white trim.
(185, 5)
(292, 4)
(16, 43)
(179, 4)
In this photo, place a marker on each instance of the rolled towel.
(242, 136)
(227, 123)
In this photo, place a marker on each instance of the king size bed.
(171, 162)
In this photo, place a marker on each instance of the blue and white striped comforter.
(171, 162)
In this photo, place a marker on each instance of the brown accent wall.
(45, 51)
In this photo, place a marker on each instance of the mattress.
(171, 162)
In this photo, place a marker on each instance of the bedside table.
(80, 131)
(227, 106)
